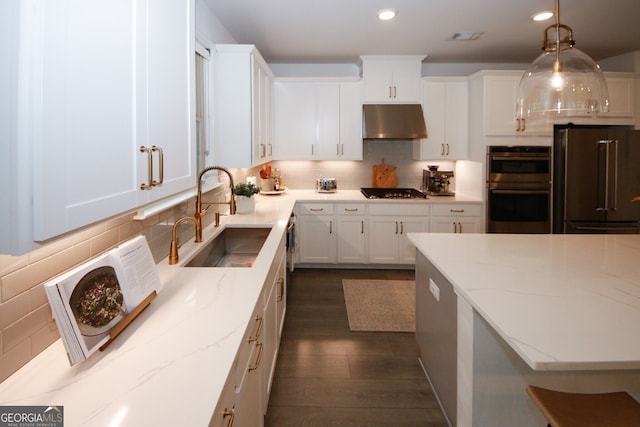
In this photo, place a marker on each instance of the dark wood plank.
(327, 375)
(292, 416)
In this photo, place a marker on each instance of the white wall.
(209, 30)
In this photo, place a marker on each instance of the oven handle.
(519, 157)
(522, 191)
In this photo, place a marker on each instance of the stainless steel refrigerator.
(596, 174)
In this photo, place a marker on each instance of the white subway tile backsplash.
(14, 309)
(21, 330)
(14, 359)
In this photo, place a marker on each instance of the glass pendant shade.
(563, 81)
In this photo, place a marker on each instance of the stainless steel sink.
(233, 247)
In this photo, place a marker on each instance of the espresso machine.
(435, 182)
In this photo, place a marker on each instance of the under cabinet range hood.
(393, 121)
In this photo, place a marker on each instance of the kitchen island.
(557, 311)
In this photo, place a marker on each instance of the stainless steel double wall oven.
(518, 189)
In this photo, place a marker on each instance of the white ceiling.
(339, 31)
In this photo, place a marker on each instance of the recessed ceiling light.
(386, 14)
(542, 16)
(465, 36)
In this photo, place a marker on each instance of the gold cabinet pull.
(447, 149)
(524, 124)
(149, 184)
(231, 414)
(396, 227)
(401, 227)
(460, 227)
(351, 209)
(260, 321)
(442, 151)
(258, 357)
(454, 227)
(160, 164)
(280, 289)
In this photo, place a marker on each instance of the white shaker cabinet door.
(169, 78)
(295, 120)
(84, 110)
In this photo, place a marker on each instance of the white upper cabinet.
(93, 100)
(317, 119)
(243, 132)
(499, 107)
(349, 147)
(495, 93)
(392, 78)
(445, 103)
(622, 95)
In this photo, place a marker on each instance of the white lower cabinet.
(388, 228)
(456, 218)
(244, 399)
(224, 415)
(316, 233)
(352, 223)
(248, 374)
(274, 305)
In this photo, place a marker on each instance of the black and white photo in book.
(90, 300)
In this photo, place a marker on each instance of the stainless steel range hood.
(393, 121)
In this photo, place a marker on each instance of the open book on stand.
(94, 300)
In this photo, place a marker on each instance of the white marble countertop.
(562, 302)
(170, 366)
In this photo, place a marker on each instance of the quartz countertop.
(170, 366)
(562, 302)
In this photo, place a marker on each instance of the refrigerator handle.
(615, 175)
(605, 144)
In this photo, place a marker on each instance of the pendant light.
(563, 81)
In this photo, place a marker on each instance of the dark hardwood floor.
(327, 375)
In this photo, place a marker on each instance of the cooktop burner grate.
(392, 193)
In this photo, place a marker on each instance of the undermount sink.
(233, 247)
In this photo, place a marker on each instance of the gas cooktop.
(392, 193)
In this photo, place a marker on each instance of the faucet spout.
(199, 211)
(173, 250)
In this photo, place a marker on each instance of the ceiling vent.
(466, 36)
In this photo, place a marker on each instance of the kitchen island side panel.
(436, 333)
(500, 376)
